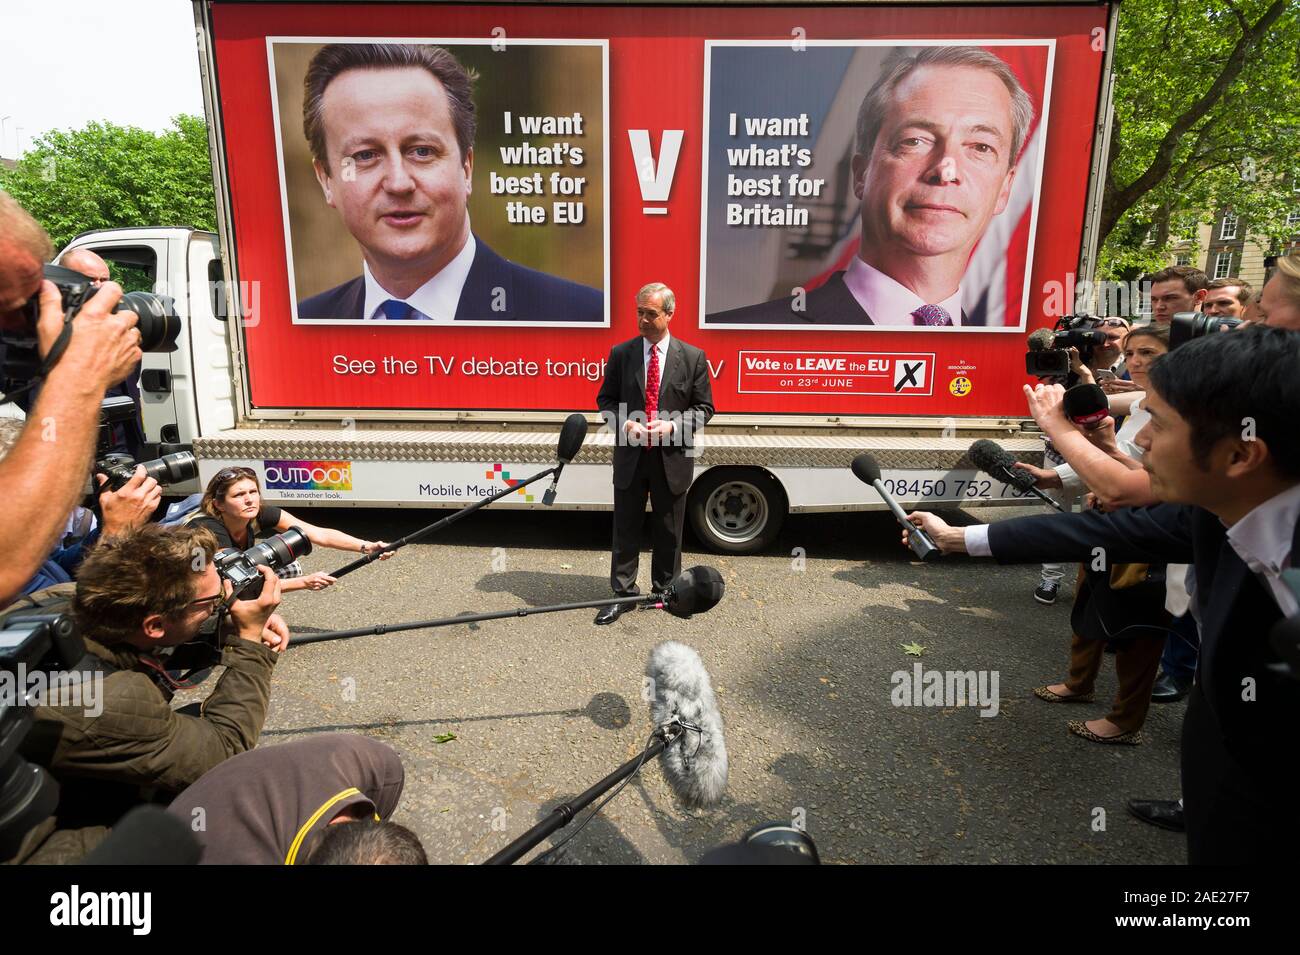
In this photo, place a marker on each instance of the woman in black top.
(232, 509)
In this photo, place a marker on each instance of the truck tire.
(736, 510)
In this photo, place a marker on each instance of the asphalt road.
(500, 721)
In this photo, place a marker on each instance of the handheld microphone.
(866, 470)
(1086, 406)
(572, 434)
(997, 463)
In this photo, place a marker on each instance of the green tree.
(106, 176)
(1207, 115)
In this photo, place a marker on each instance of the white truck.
(357, 412)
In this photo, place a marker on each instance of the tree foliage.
(1207, 116)
(106, 176)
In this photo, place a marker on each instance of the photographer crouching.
(139, 598)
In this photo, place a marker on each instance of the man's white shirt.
(436, 300)
(888, 303)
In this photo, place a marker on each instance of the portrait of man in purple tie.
(934, 160)
(391, 129)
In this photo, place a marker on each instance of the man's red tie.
(652, 386)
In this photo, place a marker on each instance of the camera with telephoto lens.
(118, 467)
(40, 648)
(1185, 326)
(240, 567)
(159, 325)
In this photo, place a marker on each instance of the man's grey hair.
(871, 115)
(663, 291)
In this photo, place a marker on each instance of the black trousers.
(669, 513)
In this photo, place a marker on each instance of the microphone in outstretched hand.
(994, 461)
(866, 470)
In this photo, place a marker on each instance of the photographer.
(137, 596)
(1232, 506)
(305, 801)
(44, 474)
(123, 510)
(233, 511)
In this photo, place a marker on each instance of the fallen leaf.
(444, 737)
(913, 649)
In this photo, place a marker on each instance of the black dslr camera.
(1070, 331)
(1185, 326)
(31, 644)
(159, 326)
(118, 467)
(240, 567)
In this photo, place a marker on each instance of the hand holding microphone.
(866, 470)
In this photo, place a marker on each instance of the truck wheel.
(736, 510)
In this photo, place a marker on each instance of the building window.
(1223, 265)
(1183, 258)
(1228, 230)
(1293, 221)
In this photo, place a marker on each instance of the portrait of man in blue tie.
(937, 142)
(391, 129)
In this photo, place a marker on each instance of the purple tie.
(931, 315)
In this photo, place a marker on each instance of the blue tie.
(396, 311)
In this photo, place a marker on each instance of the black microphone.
(695, 590)
(572, 434)
(997, 463)
(866, 470)
(147, 835)
(1086, 405)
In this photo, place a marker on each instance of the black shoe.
(1169, 689)
(1046, 591)
(1165, 813)
(611, 613)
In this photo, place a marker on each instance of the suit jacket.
(1236, 771)
(528, 295)
(829, 304)
(684, 390)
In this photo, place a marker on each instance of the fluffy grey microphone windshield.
(695, 765)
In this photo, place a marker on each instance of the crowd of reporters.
(153, 609)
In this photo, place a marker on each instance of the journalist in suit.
(938, 137)
(654, 451)
(1223, 452)
(391, 128)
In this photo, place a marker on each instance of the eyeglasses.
(210, 601)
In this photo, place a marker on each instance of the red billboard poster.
(452, 206)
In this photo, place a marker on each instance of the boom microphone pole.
(696, 590)
(571, 437)
(688, 734)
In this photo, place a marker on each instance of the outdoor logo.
(308, 475)
(496, 472)
(960, 386)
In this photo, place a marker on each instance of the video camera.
(159, 326)
(240, 567)
(1050, 357)
(118, 467)
(29, 642)
(1185, 326)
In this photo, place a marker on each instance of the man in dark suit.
(938, 137)
(655, 396)
(1223, 450)
(391, 128)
